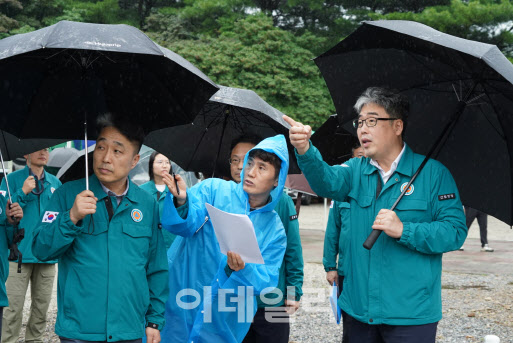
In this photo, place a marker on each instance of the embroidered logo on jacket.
(3, 193)
(409, 191)
(50, 216)
(137, 215)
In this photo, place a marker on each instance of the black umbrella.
(54, 79)
(333, 141)
(204, 146)
(461, 97)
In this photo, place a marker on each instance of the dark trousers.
(482, 220)
(70, 340)
(263, 331)
(345, 329)
(359, 332)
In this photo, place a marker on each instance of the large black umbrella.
(204, 146)
(54, 78)
(461, 97)
(333, 141)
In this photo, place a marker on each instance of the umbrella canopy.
(460, 92)
(334, 142)
(54, 78)
(60, 156)
(204, 146)
(13, 147)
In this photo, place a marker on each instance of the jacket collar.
(96, 187)
(405, 166)
(27, 173)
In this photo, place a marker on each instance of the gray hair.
(394, 103)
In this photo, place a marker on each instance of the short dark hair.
(265, 156)
(150, 165)
(246, 138)
(394, 103)
(134, 133)
(356, 146)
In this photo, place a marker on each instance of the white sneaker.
(486, 248)
(462, 248)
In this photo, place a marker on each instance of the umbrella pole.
(5, 176)
(374, 235)
(86, 156)
(227, 111)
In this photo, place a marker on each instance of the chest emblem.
(137, 215)
(52, 190)
(409, 191)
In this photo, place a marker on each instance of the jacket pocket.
(412, 210)
(136, 242)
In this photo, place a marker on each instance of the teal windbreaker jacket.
(290, 284)
(33, 207)
(112, 275)
(336, 237)
(149, 187)
(198, 267)
(397, 282)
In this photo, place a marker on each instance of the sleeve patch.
(294, 217)
(447, 196)
(3, 193)
(50, 216)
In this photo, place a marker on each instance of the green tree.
(387, 6)
(258, 56)
(8, 9)
(487, 21)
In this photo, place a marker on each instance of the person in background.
(159, 164)
(482, 220)
(336, 242)
(31, 187)
(286, 297)
(8, 218)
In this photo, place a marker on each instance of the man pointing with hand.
(393, 291)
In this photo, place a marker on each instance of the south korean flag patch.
(3, 193)
(50, 216)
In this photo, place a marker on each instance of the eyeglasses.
(162, 162)
(234, 160)
(370, 122)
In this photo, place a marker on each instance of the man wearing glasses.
(391, 293)
(31, 187)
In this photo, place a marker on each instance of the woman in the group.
(158, 165)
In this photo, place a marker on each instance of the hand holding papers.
(235, 232)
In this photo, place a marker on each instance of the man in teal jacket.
(31, 187)
(212, 296)
(335, 240)
(280, 302)
(393, 290)
(7, 218)
(112, 259)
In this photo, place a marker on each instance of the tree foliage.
(270, 61)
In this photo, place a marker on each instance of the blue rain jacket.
(33, 207)
(150, 188)
(6, 231)
(397, 282)
(112, 274)
(196, 261)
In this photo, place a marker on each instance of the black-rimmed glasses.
(370, 122)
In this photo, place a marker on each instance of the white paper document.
(235, 232)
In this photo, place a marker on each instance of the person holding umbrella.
(8, 218)
(159, 164)
(280, 301)
(31, 187)
(393, 290)
(199, 270)
(113, 271)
